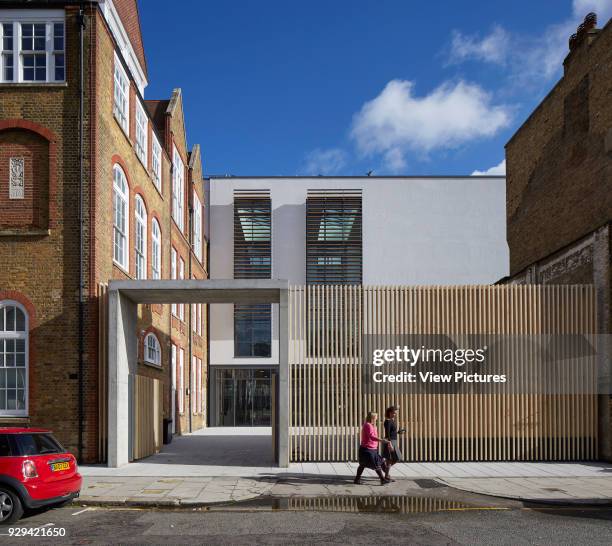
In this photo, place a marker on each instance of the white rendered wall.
(416, 231)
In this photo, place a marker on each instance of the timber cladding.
(329, 398)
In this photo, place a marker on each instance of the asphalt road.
(444, 525)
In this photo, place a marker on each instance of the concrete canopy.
(123, 299)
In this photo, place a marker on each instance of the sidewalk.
(181, 485)
(228, 465)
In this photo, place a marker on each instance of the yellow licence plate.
(56, 467)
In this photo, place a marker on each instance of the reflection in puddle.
(352, 503)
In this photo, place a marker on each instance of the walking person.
(391, 452)
(368, 450)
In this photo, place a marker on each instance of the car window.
(38, 444)
(5, 446)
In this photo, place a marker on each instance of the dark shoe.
(357, 481)
(384, 482)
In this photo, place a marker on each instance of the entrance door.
(244, 397)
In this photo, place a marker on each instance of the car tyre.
(11, 508)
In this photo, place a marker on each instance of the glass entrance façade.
(243, 397)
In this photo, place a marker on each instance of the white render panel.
(416, 231)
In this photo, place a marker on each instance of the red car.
(35, 471)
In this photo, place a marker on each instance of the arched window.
(120, 217)
(155, 250)
(141, 238)
(13, 359)
(152, 350)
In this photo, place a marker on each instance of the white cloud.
(493, 48)
(324, 162)
(499, 169)
(532, 59)
(397, 121)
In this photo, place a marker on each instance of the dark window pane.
(39, 44)
(10, 319)
(8, 73)
(5, 446)
(28, 74)
(20, 317)
(41, 74)
(26, 30)
(37, 444)
(28, 61)
(20, 345)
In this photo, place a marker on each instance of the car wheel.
(11, 508)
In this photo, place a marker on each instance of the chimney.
(585, 34)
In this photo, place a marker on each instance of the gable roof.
(128, 12)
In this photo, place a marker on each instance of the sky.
(344, 87)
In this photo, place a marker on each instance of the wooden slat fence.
(148, 416)
(328, 402)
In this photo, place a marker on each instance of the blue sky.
(279, 87)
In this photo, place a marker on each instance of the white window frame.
(123, 231)
(181, 380)
(140, 238)
(121, 96)
(42, 17)
(197, 226)
(156, 360)
(173, 269)
(142, 134)
(156, 250)
(14, 335)
(181, 276)
(156, 163)
(178, 189)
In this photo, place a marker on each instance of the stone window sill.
(24, 232)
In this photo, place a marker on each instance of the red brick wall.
(33, 210)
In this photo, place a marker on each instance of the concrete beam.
(283, 380)
(201, 291)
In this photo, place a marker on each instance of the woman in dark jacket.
(391, 452)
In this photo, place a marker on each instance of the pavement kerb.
(534, 500)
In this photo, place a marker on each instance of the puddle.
(388, 504)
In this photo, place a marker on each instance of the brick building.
(559, 185)
(94, 185)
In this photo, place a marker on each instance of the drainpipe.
(81, 312)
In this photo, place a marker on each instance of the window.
(200, 387)
(199, 319)
(33, 51)
(13, 359)
(142, 132)
(197, 226)
(37, 444)
(156, 163)
(8, 63)
(121, 105)
(141, 239)
(194, 385)
(252, 330)
(181, 276)
(252, 260)
(178, 189)
(120, 212)
(333, 237)
(155, 250)
(181, 380)
(152, 350)
(173, 258)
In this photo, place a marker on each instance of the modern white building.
(336, 230)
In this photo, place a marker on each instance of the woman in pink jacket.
(368, 450)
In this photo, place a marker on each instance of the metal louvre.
(252, 235)
(334, 237)
(328, 402)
